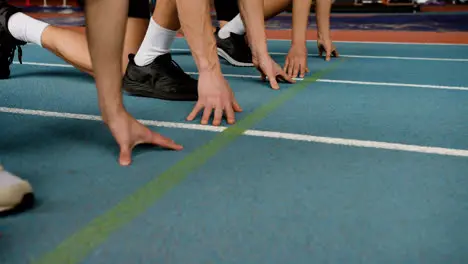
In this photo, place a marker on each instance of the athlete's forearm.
(323, 10)
(105, 21)
(253, 16)
(301, 11)
(195, 21)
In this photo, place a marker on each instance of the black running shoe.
(8, 43)
(234, 50)
(162, 79)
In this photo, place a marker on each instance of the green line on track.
(79, 245)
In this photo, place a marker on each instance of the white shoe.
(14, 192)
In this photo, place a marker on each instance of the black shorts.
(136, 8)
(226, 10)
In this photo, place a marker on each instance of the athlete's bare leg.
(72, 45)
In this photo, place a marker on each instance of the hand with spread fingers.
(215, 96)
(106, 46)
(296, 61)
(129, 133)
(270, 70)
(253, 17)
(324, 42)
(325, 45)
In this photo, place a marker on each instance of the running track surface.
(368, 164)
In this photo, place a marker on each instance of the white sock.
(26, 28)
(235, 26)
(157, 41)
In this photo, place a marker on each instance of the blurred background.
(378, 15)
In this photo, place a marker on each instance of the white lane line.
(260, 133)
(98, 118)
(403, 58)
(248, 76)
(385, 42)
(368, 57)
(44, 64)
(427, 86)
(373, 42)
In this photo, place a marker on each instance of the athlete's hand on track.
(296, 61)
(129, 133)
(214, 96)
(326, 45)
(268, 68)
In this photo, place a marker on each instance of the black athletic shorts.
(136, 8)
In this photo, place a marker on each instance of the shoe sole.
(136, 89)
(232, 61)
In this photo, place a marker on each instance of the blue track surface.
(260, 200)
